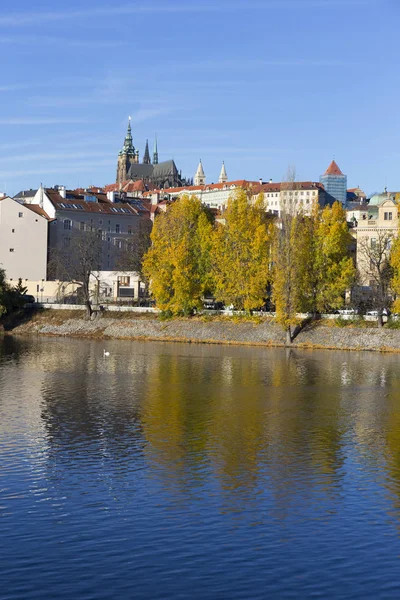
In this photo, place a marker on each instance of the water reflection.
(257, 435)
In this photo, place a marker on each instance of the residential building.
(381, 222)
(213, 195)
(72, 213)
(335, 183)
(296, 196)
(356, 195)
(23, 240)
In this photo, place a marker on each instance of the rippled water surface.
(204, 472)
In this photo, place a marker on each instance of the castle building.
(335, 183)
(153, 174)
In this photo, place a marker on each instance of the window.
(118, 229)
(20, 215)
(82, 226)
(12, 230)
(129, 229)
(373, 242)
(124, 280)
(11, 249)
(388, 216)
(118, 244)
(67, 242)
(67, 224)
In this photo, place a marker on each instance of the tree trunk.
(89, 311)
(288, 336)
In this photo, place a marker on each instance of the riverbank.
(211, 330)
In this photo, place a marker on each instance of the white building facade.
(23, 241)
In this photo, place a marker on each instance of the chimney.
(260, 181)
(270, 180)
(111, 196)
(62, 191)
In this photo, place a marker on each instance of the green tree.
(5, 294)
(177, 263)
(241, 253)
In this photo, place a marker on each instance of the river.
(192, 471)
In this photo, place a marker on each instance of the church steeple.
(146, 155)
(155, 152)
(129, 148)
(127, 156)
(200, 178)
(223, 177)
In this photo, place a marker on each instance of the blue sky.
(260, 84)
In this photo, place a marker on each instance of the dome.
(377, 199)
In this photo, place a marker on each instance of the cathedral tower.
(146, 155)
(126, 156)
(155, 153)
(200, 178)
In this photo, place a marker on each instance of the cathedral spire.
(146, 155)
(155, 152)
(128, 142)
(200, 178)
(223, 177)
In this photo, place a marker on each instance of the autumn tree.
(395, 281)
(377, 268)
(328, 270)
(288, 258)
(178, 263)
(241, 253)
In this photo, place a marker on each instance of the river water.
(190, 471)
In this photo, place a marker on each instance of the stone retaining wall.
(216, 331)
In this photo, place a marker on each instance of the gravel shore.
(214, 331)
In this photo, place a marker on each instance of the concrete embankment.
(218, 331)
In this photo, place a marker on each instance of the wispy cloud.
(135, 8)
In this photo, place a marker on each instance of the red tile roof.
(127, 186)
(105, 207)
(333, 169)
(38, 210)
(296, 185)
(203, 188)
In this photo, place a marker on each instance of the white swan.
(105, 353)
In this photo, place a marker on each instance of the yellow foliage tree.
(177, 263)
(328, 269)
(395, 281)
(287, 271)
(241, 253)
